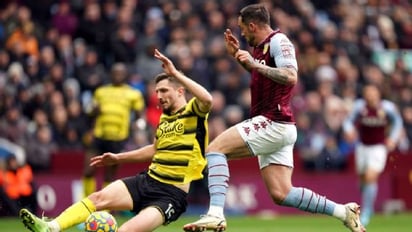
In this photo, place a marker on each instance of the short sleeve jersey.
(373, 123)
(270, 98)
(116, 104)
(181, 142)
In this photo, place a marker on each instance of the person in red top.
(270, 133)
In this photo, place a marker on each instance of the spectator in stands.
(60, 123)
(146, 65)
(23, 38)
(71, 90)
(32, 69)
(40, 149)
(16, 78)
(92, 29)
(4, 63)
(38, 119)
(63, 19)
(65, 53)
(13, 126)
(123, 44)
(91, 74)
(80, 53)
(46, 61)
(77, 119)
(56, 76)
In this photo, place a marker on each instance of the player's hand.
(350, 136)
(167, 65)
(390, 145)
(231, 42)
(106, 159)
(245, 59)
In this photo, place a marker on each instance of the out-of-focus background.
(54, 54)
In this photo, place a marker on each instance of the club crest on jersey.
(265, 48)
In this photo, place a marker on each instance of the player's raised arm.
(203, 97)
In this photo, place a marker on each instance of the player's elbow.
(292, 80)
(205, 103)
(208, 102)
(292, 76)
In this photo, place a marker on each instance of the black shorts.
(101, 145)
(146, 191)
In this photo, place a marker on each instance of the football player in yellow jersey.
(157, 196)
(112, 108)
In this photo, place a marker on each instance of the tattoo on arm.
(280, 76)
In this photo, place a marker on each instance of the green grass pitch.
(307, 223)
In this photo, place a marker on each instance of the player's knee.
(277, 196)
(213, 148)
(98, 200)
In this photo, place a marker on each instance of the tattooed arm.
(283, 75)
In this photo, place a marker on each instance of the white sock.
(340, 212)
(54, 226)
(216, 211)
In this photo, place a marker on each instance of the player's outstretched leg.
(218, 178)
(352, 220)
(32, 222)
(206, 222)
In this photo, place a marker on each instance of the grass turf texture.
(308, 223)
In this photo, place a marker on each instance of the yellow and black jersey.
(116, 104)
(181, 142)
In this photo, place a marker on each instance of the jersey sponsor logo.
(373, 121)
(167, 130)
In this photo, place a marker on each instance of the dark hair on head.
(164, 76)
(161, 77)
(256, 13)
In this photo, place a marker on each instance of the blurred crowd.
(54, 54)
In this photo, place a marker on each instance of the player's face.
(371, 95)
(246, 32)
(167, 95)
(118, 75)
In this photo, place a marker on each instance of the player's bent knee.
(277, 196)
(98, 200)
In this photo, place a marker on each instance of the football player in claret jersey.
(270, 133)
(157, 196)
(376, 124)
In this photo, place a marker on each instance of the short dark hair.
(164, 76)
(256, 13)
